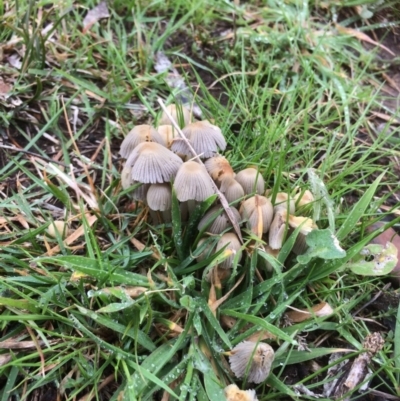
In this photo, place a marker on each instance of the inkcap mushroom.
(153, 163)
(217, 220)
(159, 200)
(179, 113)
(258, 211)
(138, 135)
(218, 167)
(232, 190)
(251, 181)
(233, 248)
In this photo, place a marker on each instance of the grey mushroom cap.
(178, 112)
(258, 211)
(159, 197)
(204, 137)
(153, 163)
(218, 219)
(251, 181)
(192, 182)
(232, 243)
(138, 135)
(232, 190)
(256, 359)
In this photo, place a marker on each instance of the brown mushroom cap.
(259, 357)
(304, 198)
(167, 133)
(159, 197)
(153, 163)
(204, 137)
(192, 182)
(232, 190)
(232, 244)
(137, 135)
(178, 112)
(217, 220)
(258, 211)
(251, 181)
(218, 167)
(233, 393)
(277, 230)
(282, 201)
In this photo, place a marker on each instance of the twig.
(28, 152)
(221, 197)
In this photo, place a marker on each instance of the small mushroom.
(277, 230)
(304, 198)
(216, 220)
(307, 225)
(218, 167)
(153, 163)
(252, 358)
(193, 184)
(140, 192)
(264, 263)
(233, 247)
(159, 199)
(58, 228)
(137, 135)
(204, 137)
(251, 181)
(258, 211)
(179, 113)
(282, 202)
(167, 133)
(232, 190)
(233, 393)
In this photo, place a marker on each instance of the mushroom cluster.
(157, 156)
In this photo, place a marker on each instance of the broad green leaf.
(384, 260)
(322, 244)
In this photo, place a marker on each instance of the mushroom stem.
(167, 216)
(155, 217)
(191, 205)
(221, 197)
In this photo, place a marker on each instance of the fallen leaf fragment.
(372, 344)
(299, 315)
(362, 36)
(94, 15)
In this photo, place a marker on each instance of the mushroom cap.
(251, 181)
(126, 177)
(137, 135)
(233, 393)
(232, 244)
(282, 201)
(153, 163)
(216, 220)
(304, 198)
(218, 167)
(178, 112)
(256, 359)
(277, 230)
(258, 211)
(167, 133)
(307, 224)
(208, 250)
(232, 190)
(204, 137)
(192, 182)
(159, 197)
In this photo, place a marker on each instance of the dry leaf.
(362, 36)
(299, 315)
(94, 15)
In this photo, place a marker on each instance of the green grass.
(290, 94)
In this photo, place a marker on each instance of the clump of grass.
(122, 310)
